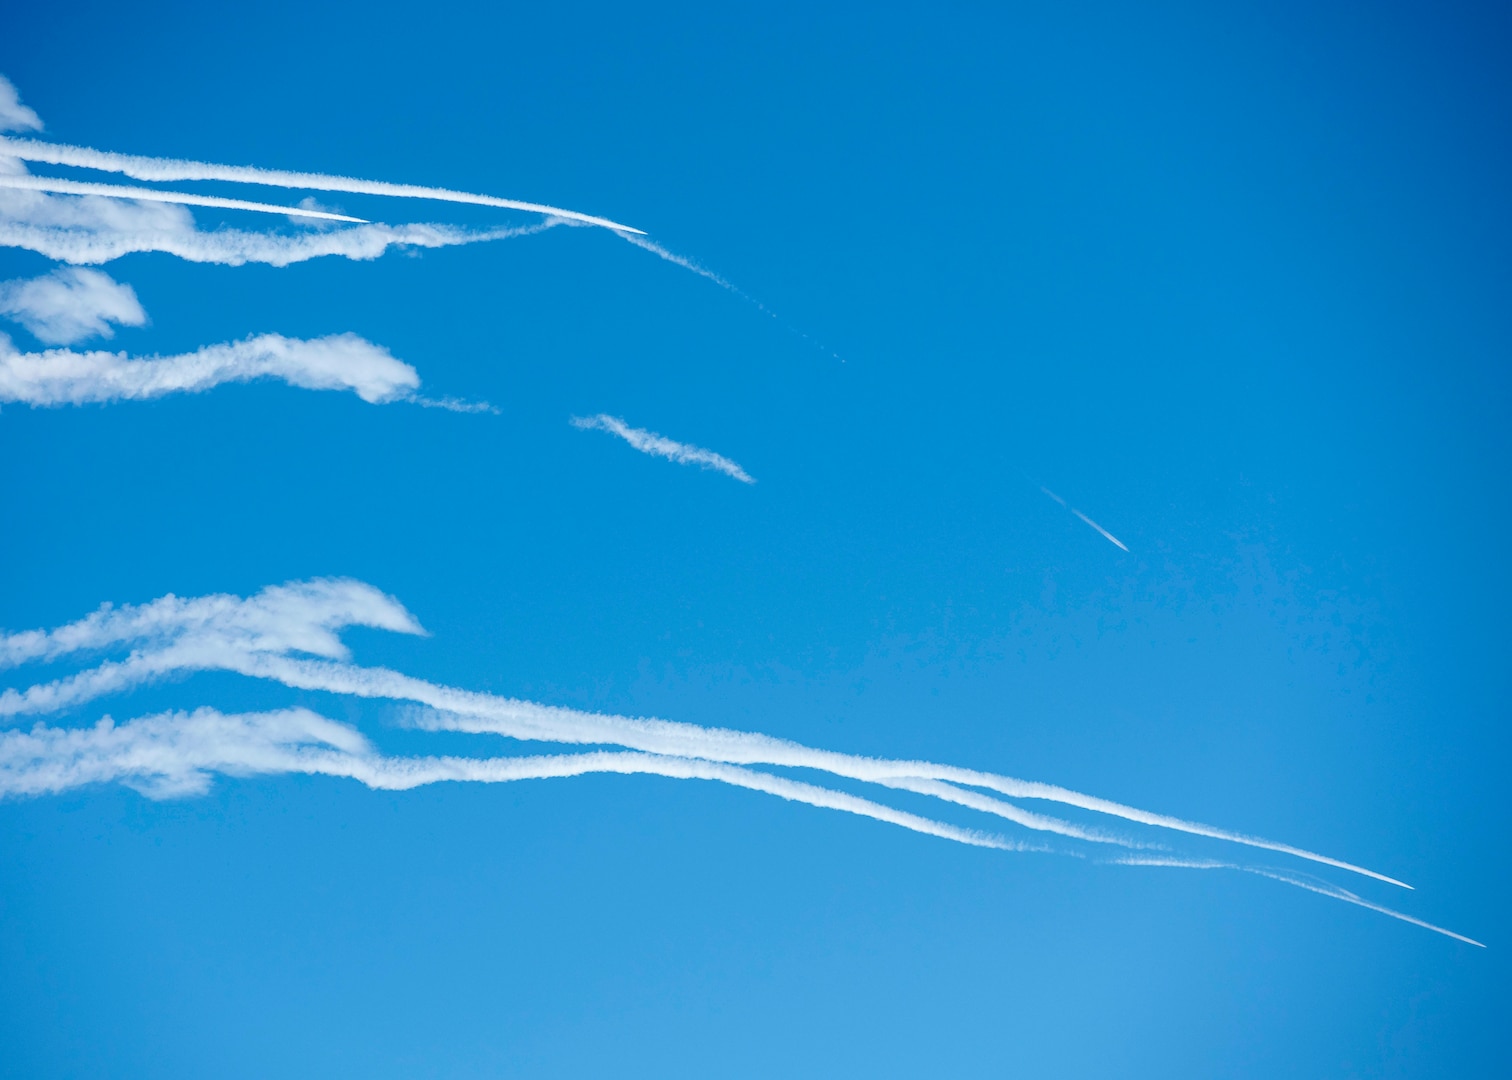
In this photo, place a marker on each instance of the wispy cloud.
(168, 169)
(90, 229)
(1106, 535)
(288, 635)
(15, 116)
(71, 304)
(649, 442)
(339, 362)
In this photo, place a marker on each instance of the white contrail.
(89, 229)
(1105, 533)
(212, 634)
(649, 442)
(23, 182)
(644, 242)
(71, 304)
(339, 362)
(174, 754)
(167, 169)
(1311, 885)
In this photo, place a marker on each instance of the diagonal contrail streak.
(1106, 535)
(168, 169)
(27, 182)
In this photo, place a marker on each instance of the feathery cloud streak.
(70, 305)
(168, 169)
(649, 442)
(15, 116)
(339, 362)
(258, 636)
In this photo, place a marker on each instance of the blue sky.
(1231, 283)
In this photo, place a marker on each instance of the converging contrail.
(289, 634)
(260, 636)
(1105, 533)
(169, 169)
(27, 182)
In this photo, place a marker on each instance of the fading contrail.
(255, 637)
(646, 243)
(649, 442)
(167, 169)
(26, 182)
(1105, 533)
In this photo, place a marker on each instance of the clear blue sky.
(1233, 283)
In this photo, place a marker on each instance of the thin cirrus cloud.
(290, 635)
(71, 304)
(337, 362)
(649, 442)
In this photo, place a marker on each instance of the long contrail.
(169, 169)
(306, 616)
(27, 182)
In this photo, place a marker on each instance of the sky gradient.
(989, 296)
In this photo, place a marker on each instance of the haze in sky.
(346, 687)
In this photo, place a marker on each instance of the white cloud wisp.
(338, 362)
(649, 442)
(71, 304)
(15, 116)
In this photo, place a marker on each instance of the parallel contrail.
(162, 169)
(1105, 533)
(255, 636)
(172, 754)
(27, 182)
